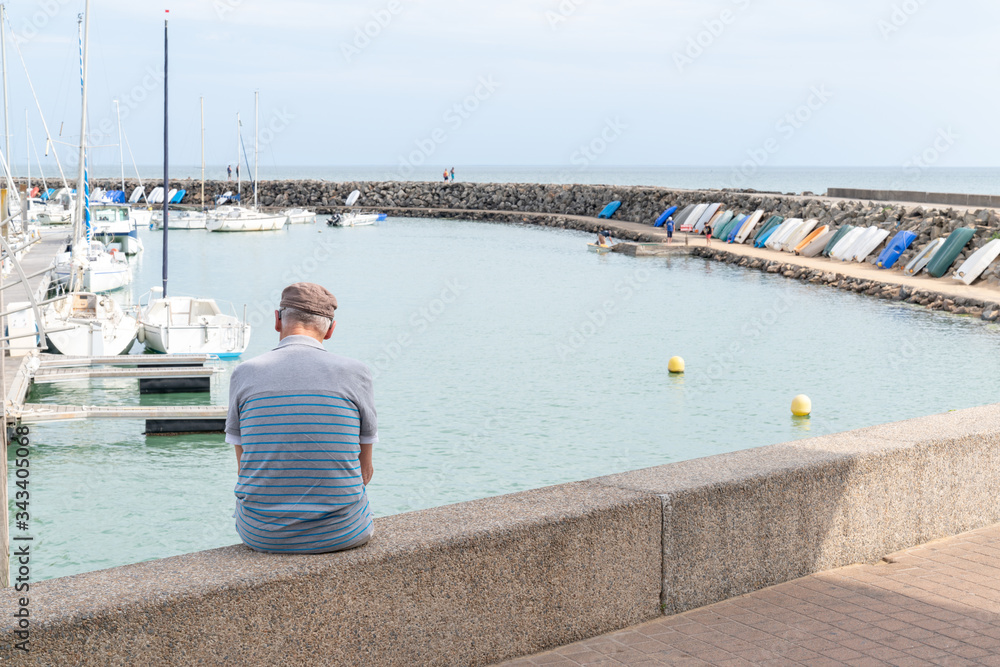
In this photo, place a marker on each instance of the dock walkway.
(936, 604)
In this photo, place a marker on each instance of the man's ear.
(329, 333)
(277, 321)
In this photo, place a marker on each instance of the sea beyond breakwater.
(515, 202)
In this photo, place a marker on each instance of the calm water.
(772, 179)
(507, 358)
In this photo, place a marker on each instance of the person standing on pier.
(452, 174)
(229, 172)
(670, 229)
(708, 234)
(303, 423)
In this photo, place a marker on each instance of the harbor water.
(506, 358)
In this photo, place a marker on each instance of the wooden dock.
(38, 368)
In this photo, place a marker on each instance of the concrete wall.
(477, 582)
(942, 198)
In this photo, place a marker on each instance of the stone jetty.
(575, 206)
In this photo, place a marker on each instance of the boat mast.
(203, 153)
(121, 149)
(27, 143)
(6, 107)
(82, 203)
(166, 160)
(239, 181)
(256, 172)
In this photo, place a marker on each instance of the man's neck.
(300, 331)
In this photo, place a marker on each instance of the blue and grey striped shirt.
(301, 415)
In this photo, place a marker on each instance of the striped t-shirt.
(301, 415)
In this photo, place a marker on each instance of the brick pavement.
(936, 604)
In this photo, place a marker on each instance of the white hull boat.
(978, 262)
(355, 219)
(299, 216)
(96, 269)
(239, 219)
(693, 217)
(923, 258)
(748, 227)
(872, 241)
(838, 251)
(188, 325)
(180, 220)
(86, 324)
(116, 224)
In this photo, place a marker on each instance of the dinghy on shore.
(977, 262)
(917, 264)
(953, 246)
(748, 227)
(816, 246)
(888, 258)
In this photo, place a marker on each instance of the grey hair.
(314, 322)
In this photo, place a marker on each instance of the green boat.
(841, 233)
(945, 257)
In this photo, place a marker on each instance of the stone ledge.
(740, 522)
(471, 583)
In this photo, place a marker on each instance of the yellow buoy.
(801, 406)
(675, 365)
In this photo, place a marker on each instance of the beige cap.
(309, 298)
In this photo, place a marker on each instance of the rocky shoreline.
(987, 311)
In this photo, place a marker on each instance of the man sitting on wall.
(303, 423)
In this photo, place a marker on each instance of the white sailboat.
(92, 268)
(84, 323)
(88, 324)
(180, 220)
(183, 324)
(239, 218)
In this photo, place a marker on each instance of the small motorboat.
(355, 219)
(190, 325)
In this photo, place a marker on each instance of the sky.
(521, 82)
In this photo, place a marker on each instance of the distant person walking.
(670, 229)
(445, 175)
(237, 170)
(229, 172)
(708, 234)
(452, 174)
(302, 421)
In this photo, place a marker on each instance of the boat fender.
(141, 334)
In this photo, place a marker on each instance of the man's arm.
(365, 458)
(239, 455)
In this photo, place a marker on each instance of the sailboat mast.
(6, 108)
(27, 145)
(81, 180)
(239, 182)
(121, 148)
(203, 153)
(256, 172)
(166, 160)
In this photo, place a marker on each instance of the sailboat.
(239, 218)
(183, 324)
(84, 323)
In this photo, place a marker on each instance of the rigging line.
(48, 135)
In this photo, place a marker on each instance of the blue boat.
(896, 247)
(735, 229)
(759, 243)
(176, 199)
(48, 193)
(609, 210)
(663, 216)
